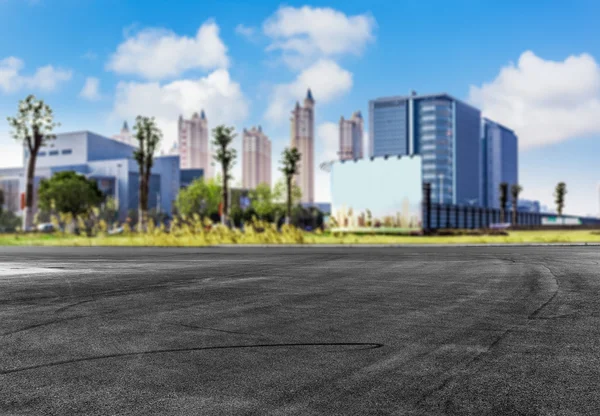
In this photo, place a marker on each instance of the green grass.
(566, 236)
(290, 237)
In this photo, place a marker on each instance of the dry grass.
(196, 233)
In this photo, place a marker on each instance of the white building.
(194, 144)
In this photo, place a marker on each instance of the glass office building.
(440, 128)
(499, 161)
(388, 134)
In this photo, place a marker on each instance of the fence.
(436, 216)
(457, 216)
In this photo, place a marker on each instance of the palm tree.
(515, 190)
(559, 197)
(148, 136)
(503, 200)
(33, 126)
(289, 168)
(222, 139)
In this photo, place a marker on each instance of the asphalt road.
(354, 331)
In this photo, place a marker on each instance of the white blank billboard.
(386, 187)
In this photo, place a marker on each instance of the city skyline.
(254, 71)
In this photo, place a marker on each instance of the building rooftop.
(487, 120)
(414, 95)
(309, 95)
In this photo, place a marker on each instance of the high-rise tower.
(499, 161)
(302, 138)
(194, 146)
(351, 137)
(125, 136)
(256, 158)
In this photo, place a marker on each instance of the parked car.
(47, 227)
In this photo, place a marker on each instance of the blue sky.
(533, 67)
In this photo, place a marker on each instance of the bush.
(9, 222)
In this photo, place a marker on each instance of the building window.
(53, 153)
(67, 151)
(41, 153)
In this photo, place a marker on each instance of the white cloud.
(326, 79)
(45, 78)
(91, 89)
(246, 31)
(220, 97)
(544, 101)
(328, 135)
(12, 152)
(310, 32)
(159, 53)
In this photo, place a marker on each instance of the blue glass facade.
(467, 150)
(388, 135)
(499, 161)
(187, 176)
(434, 131)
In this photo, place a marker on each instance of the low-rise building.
(109, 162)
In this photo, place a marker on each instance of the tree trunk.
(29, 189)
(288, 219)
(224, 198)
(514, 221)
(142, 203)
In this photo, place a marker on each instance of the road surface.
(274, 331)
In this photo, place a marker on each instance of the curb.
(401, 245)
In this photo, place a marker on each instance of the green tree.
(225, 155)
(559, 197)
(33, 126)
(369, 222)
(289, 168)
(1, 200)
(9, 222)
(515, 190)
(280, 193)
(148, 136)
(202, 197)
(68, 192)
(503, 200)
(262, 201)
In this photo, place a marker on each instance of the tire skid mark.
(365, 345)
(29, 327)
(493, 344)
